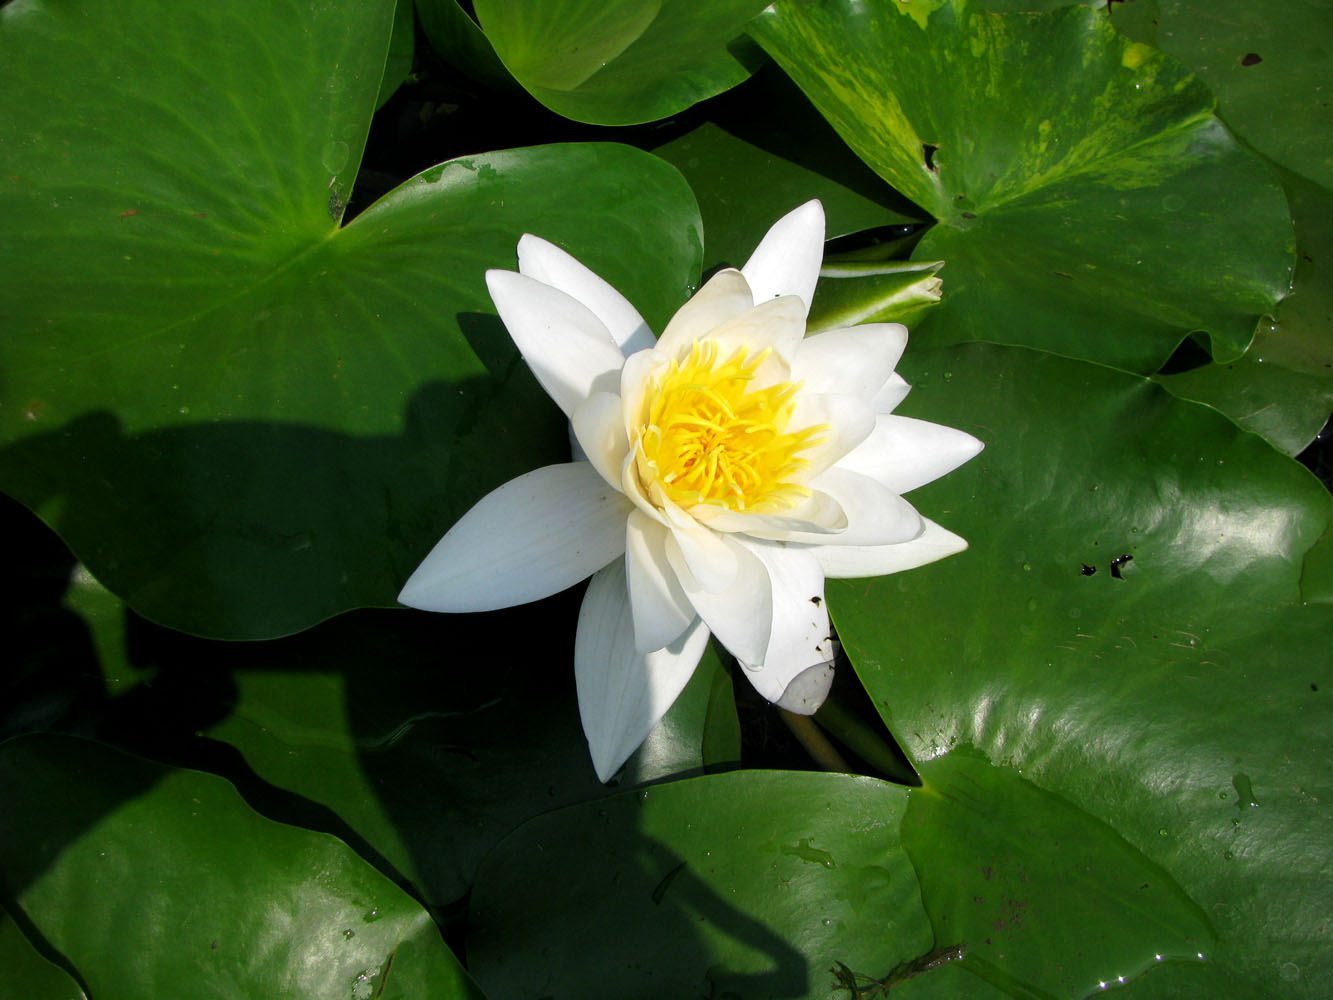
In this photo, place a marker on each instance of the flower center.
(709, 438)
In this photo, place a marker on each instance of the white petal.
(787, 260)
(598, 426)
(724, 296)
(820, 513)
(875, 514)
(695, 551)
(568, 348)
(857, 361)
(778, 323)
(796, 669)
(741, 614)
(848, 561)
(639, 373)
(530, 538)
(550, 265)
(895, 390)
(808, 689)
(903, 453)
(661, 610)
(623, 693)
(847, 421)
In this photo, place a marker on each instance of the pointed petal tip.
(429, 589)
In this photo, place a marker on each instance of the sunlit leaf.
(763, 150)
(1048, 898)
(1076, 176)
(1125, 629)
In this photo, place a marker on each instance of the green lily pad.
(459, 39)
(1269, 64)
(159, 882)
(431, 767)
(764, 150)
(242, 418)
(382, 718)
(1049, 899)
(621, 62)
(740, 884)
(1317, 572)
(375, 726)
(1075, 175)
(402, 47)
(1283, 388)
(24, 966)
(1125, 629)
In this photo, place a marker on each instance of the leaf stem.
(816, 744)
(863, 741)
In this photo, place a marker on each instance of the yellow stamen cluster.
(709, 438)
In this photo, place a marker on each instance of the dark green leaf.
(402, 44)
(1269, 64)
(1163, 693)
(764, 150)
(25, 968)
(620, 62)
(740, 884)
(457, 38)
(1317, 573)
(157, 882)
(1076, 176)
(240, 417)
(722, 725)
(1049, 900)
(1283, 388)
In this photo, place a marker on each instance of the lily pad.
(1269, 64)
(740, 884)
(402, 47)
(1283, 388)
(241, 417)
(1075, 175)
(1126, 631)
(1049, 899)
(460, 40)
(762, 150)
(39, 978)
(621, 62)
(196, 894)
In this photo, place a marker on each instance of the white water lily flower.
(730, 467)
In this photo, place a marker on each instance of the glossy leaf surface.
(1268, 64)
(1132, 642)
(749, 883)
(1046, 897)
(195, 893)
(619, 62)
(762, 150)
(1283, 389)
(40, 979)
(241, 417)
(1074, 173)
